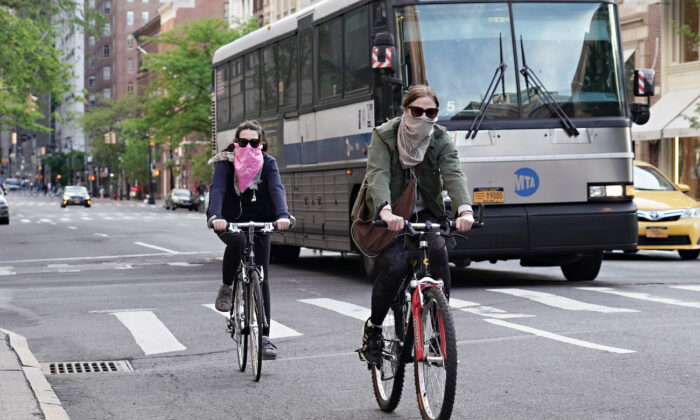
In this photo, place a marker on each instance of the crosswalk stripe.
(482, 310)
(557, 337)
(149, 332)
(25, 221)
(695, 288)
(560, 302)
(343, 308)
(643, 296)
(6, 271)
(277, 329)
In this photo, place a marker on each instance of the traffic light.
(156, 172)
(58, 176)
(31, 104)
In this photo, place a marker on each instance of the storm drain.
(87, 367)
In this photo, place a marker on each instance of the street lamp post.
(151, 198)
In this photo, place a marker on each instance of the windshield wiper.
(549, 100)
(498, 77)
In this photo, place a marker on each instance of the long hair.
(254, 126)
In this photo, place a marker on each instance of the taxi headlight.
(66, 197)
(691, 213)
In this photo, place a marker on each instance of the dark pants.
(235, 243)
(393, 267)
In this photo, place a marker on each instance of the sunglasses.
(254, 143)
(417, 111)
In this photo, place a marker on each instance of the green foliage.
(199, 169)
(29, 60)
(65, 164)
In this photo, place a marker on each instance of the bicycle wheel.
(255, 311)
(238, 315)
(387, 378)
(436, 374)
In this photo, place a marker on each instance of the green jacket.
(386, 179)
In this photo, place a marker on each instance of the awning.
(666, 117)
(626, 54)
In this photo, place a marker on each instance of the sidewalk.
(24, 391)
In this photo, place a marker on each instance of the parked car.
(4, 209)
(180, 198)
(76, 195)
(668, 219)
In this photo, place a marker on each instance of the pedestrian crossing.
(106, 216)
(152, 337)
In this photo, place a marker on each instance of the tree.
(29, 60)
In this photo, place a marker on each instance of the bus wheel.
(369, 267)
(283, 254)
(585, 269)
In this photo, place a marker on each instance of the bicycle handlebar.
(447, 225)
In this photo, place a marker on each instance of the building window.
(107, 93)
(130, 87)
(144, 1)
(107, 29)
(106, 73)
(91, 4)
(91, 100)
(688, 16)
(91, 61)
(107, 7)
(91, 41)
(129, 18)
(130, 42)
(130, 65)
(226, 16)
(105, 51)
(129, 1)
(144, 18)
(91, 81)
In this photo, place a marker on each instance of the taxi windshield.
(647, 178)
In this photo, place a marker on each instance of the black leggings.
(393, 268)
(235, 243)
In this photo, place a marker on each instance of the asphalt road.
(131, 282)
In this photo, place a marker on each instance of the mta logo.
(526, 182)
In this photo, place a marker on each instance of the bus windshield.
(571, 47)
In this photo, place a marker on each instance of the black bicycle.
(247, 317)
(419, 328)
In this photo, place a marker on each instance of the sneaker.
(371, 350)
(269, 349)
(224, 299)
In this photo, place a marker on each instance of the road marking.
(643, 296)
(156, 247)
(694, 288)
(108, 218)
(111, 311)
(44, 220)
(109, 257)
(149, 332)
(6, 271)
(560, 301)
(482, 310)
(277, 330)
(343, 308)
(85, 218)
(25, 220)
(72, 227)
(64, 268)
(557, 337)
(65, 219)
(183, 264)
(104, 235)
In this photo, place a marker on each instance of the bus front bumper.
(516, 232)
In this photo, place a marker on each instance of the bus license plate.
(657, 232)
(489, 195)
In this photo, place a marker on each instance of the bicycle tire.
(436, 375)
(388, 378)
(238, 319)
(256, 324)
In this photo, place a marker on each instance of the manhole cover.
(87, 367)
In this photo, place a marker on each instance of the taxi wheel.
(688, 254)
(585, 269)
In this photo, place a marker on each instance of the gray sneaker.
(269, 349)
(224, 299)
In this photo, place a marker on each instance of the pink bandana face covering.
(248, 161)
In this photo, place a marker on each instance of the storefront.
(674, 130)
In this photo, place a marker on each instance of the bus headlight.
(610, 192)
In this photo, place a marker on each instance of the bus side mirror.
(640, 113)
(644, 82)
(383, 52)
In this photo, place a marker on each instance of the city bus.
(532, 93)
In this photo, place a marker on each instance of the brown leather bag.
(372, 240)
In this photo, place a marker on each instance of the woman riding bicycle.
(406, 146)
(246, 187)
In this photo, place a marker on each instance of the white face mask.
(414, 138)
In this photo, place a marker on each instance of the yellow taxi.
(668, 219)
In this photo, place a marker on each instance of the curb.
(48, 401)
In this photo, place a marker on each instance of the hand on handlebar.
(394, 223)
(219, 224)
(464, 222)
(283, 224)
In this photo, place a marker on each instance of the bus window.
(357, 71)
(331, 59)
(221, 75)
(237, 90)
(379, 14)
(306, 68)
(252, 85)
(269, 78)
(288, 72)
